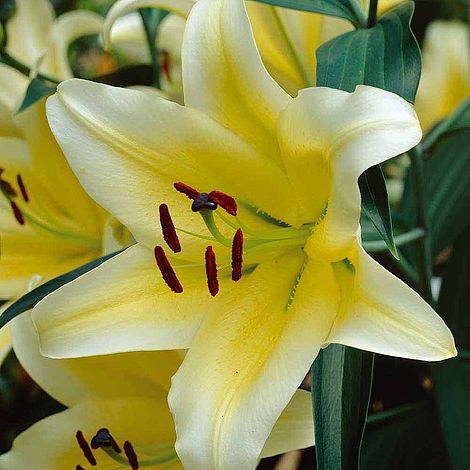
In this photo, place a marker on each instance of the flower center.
(245, 244)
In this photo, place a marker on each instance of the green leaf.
(375, 205)
(350, 10)
(342, 379)
(386, 56)
(151, 18)
(405, 438)
(452, 377)
(29, 300)
(37, 89)
(7, 10)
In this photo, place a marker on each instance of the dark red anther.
(186, 190)
(168, 229)
(17, 213)
(166, 64)
(211, 271)
(82, 442)
(225, 201)
(103, 438)
(7, 189)
(22, 188)
(79, 467)
(237, 255)
(131, 455)
(168, 274)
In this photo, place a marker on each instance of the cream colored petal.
(259, 345)
(50, 444)
(294, 428)
(28, 29)
(12, 88)
(66, 29)
(72, 381)
(5, 339)
(128, 148)
(445, 80)
(328, 138)
(122, 7)
(123, 305)
(382, 314)
(72, 206)
(224, 77)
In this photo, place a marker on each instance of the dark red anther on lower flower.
(17, 213)
(22, 188)
(186, 190)
(131, 455)
(211, 271)
(225, 201)
(168, 229)
(82, 442)
(79, 467)
(237, 255)
(103, 438)
(7, 189)
(168, 274)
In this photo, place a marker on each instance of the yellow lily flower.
(49, 224)
(125, 394)
(445, 81)
(287, 39)
(288, 169)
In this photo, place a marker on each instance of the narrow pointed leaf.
(37, 89)
(342, 379)
(347, 9)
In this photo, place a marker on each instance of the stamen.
(203, 201)
(82, 442)
(168, 229)
(79, 467)
(7, 188)
(211, 272)
(225, 201)
(103, 438)
(186, 190)
(168, 274)
(237, 255)
(22, 188)
(131, 455)
(17, 213)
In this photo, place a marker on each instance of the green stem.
(9, 60)
(372, 18)
(359, 13)
(373, 246)
(445, 125)
(423, 243)
(151, 36)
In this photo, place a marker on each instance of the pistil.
(103, 439)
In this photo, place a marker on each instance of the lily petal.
(28, 29)
(294, 428)
(250, 340)
(66, 29)
(328, 138)
(72, 381)
(128, 148)
(12, 88)
(382, 314)
(122, 7)
(224, 77)
(50, 444)
(123, 305)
